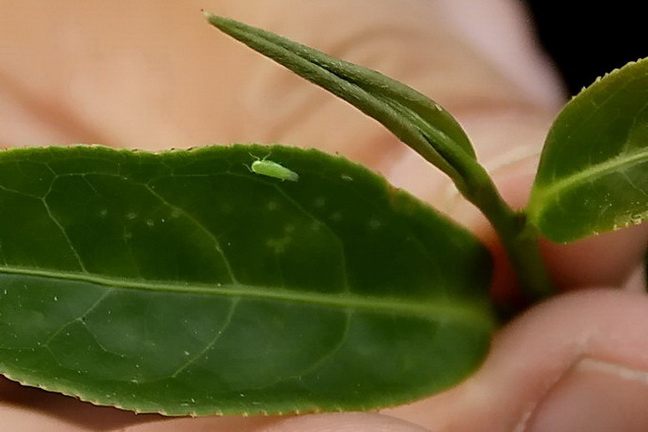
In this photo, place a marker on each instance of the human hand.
(157, 78)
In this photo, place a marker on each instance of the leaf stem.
(519, 238)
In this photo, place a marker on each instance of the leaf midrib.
(595, 171)
(473, 314)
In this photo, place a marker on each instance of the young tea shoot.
(179, 283)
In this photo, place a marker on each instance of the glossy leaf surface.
(184, 283)
(593, 174)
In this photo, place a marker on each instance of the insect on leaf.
(593, 173)
(182, 283)
(273, 169)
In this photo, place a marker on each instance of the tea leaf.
(184, 283)
(593, 174)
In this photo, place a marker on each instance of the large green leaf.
(184, 283)
(593, 174)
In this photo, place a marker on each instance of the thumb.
(577, 362)
(341, 422)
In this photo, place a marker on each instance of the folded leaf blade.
(184, 283)
(415, 119)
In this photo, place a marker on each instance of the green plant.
(266, 279)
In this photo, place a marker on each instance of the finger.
(53, 408)
(342, 422)
(203, 424)
(607, 259)
(17, 418)
(338, 422)
(544, 366)
(135, 77)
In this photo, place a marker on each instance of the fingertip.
(345, 422)
(211, 424)
(606, 259)
(595, 396)
(22, 418)
(536, 353)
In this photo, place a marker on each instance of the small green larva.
(273, 169)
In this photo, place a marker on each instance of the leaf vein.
(596, 171)
(77, 319)
(201, 227)
(65, 235)
(212, 343)
(431, 307)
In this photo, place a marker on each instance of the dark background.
(586, 39)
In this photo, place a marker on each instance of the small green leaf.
(415, 119)
(593, 174)
(184, 283)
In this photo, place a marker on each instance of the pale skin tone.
(155, 76)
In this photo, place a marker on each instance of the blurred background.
(587, 39)
(151, 74)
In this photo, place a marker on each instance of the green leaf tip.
(217, 20)
(411, 116)
(592, 172)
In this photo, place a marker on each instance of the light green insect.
(273, 169)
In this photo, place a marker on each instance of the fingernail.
(595, 397)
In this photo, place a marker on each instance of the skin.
(155, 76)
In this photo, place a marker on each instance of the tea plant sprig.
(251, 279)
(418, 122)
(598, 141)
